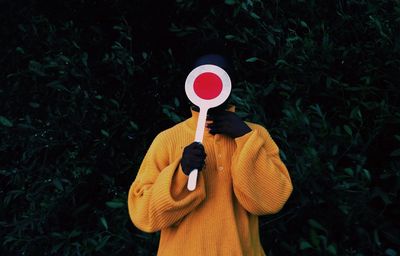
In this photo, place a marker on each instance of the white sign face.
(207, 86)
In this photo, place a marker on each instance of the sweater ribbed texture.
(242, 178)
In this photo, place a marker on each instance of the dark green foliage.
(86, 85)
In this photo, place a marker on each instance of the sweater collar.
(192, 122)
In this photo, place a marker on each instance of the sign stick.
(207, 86)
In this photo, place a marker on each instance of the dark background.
(86, 85)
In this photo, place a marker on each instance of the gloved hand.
(193, 157)
(228, 123)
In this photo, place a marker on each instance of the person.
(241, 176)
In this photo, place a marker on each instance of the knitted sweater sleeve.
(158, 197)
(261, 181)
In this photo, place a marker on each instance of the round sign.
(208, 86)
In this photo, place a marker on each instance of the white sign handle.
(201, 122)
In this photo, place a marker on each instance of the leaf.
(367, 174)
(113, 101)
(167, 107)
(396, 152)
(285, 86)
(175, 118)
(115, 204)
(242, 114)
(105, 133)
(56, 247)
(64, 58)
(334, 150)
(57, 235)
(317, 109)
(281, 62)
(230, 2)
(57, 183)
(255, 16)
(9, 239)
(379, 26)
(332, 249)
(304, 245)
(56, 84)
(102, 242)
(20, 50)
(36, 68)
(85, 59)
(75, 45)
(252, 59)
(315, 224)
(268, 89)
(229, 37)
(271, 39)
(344, 208)
(104, 222)
(377, 192)
(293, 38)
(74, 233)
(349, 171)
(314, 238)
(34, 104)
(348, 129)
(118, 28)
(303, 24)
(376, 238)
(390, 252)
(134, 125)
(5, 121)
(282, 155)
(176, 102)
(167, 110)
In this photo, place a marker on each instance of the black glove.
(228, 123)
(193, 157)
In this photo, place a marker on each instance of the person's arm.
(158, 197)
(261, 181)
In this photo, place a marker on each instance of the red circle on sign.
(207, 86)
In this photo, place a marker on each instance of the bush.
(87, 85)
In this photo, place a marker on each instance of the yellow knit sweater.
(242, 178)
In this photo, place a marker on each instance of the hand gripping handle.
(201, 122)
